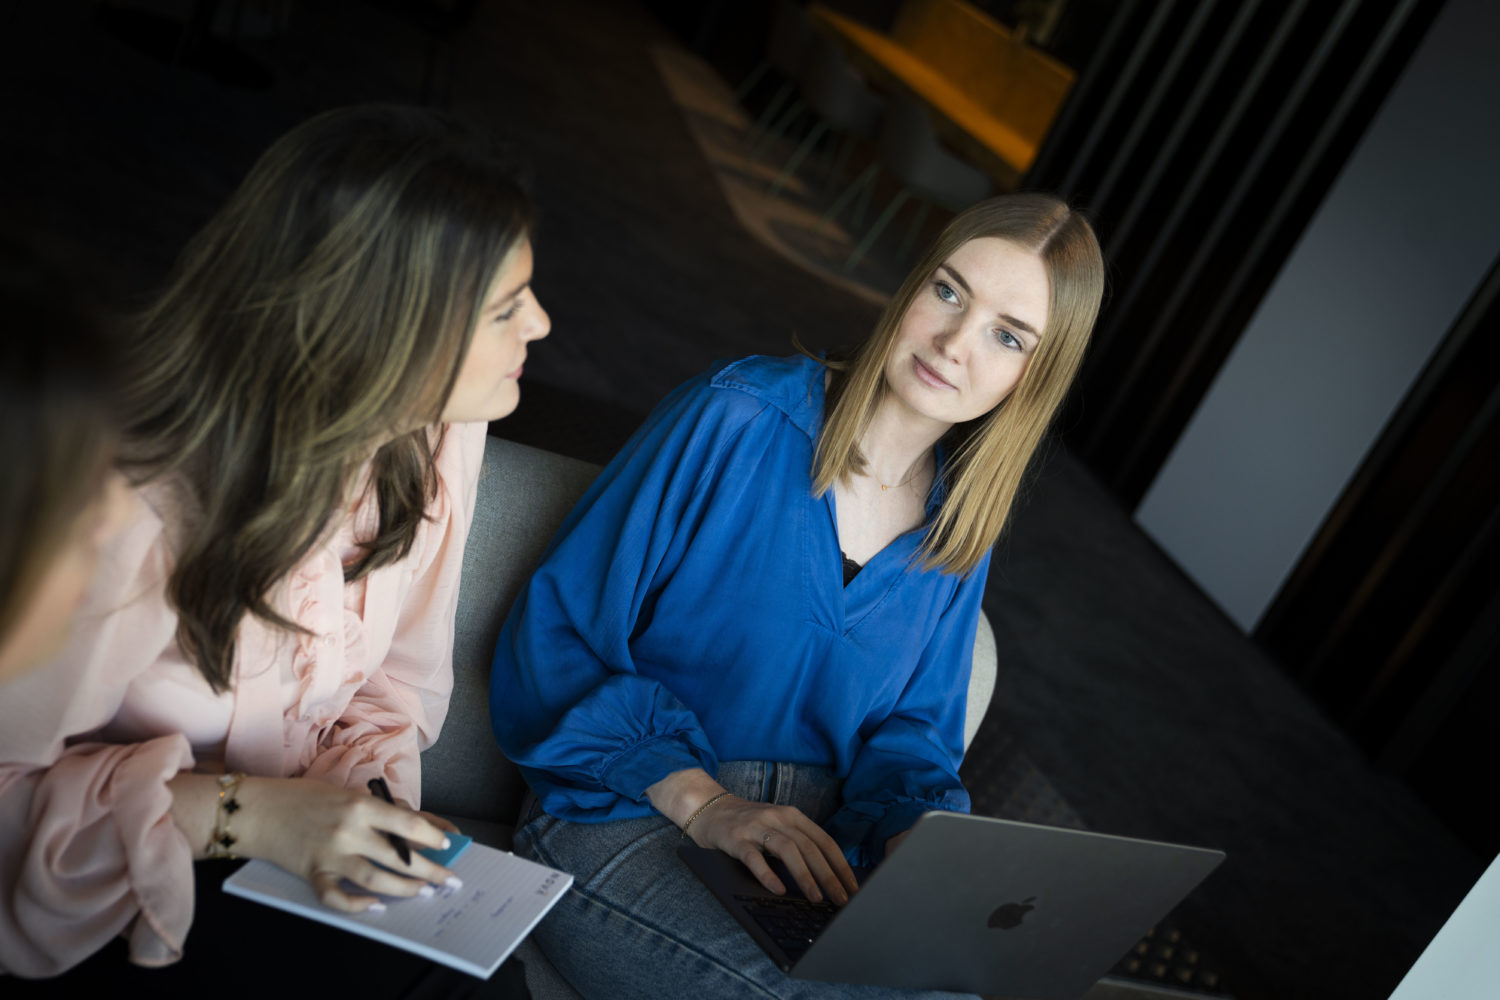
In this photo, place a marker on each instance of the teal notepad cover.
(457, 844)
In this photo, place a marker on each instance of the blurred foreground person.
(59, 497)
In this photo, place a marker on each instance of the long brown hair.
(314, 321)
(990, 454)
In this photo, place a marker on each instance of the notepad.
(472, 929)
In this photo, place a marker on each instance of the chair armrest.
(981, 679)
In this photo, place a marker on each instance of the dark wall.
(1203, 138)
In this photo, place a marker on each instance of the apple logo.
(1009, 916)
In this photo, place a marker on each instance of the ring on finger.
(767, 838)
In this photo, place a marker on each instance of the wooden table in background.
(1023, 85)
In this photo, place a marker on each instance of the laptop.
(973, 904)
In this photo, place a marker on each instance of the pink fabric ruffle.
(101, 810)
(88, 847)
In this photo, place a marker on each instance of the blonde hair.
(989, 455)
(313, 322)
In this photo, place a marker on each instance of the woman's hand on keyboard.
(751, 830)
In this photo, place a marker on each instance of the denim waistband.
(815, 790)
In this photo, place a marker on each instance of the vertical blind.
(1201, 138)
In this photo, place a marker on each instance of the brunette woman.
(305, 408)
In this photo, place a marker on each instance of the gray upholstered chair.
(524, 494)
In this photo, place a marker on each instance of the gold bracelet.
(701, 810)
(221, 844)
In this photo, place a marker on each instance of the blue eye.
(945, 292)
(1010, 340)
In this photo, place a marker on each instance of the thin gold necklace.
(909, 477)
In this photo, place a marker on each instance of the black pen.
(380, 789)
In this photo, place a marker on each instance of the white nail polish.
(454, 882)
(376, 908)
(446, 843)
(426, 891)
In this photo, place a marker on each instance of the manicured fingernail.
(376, 908)
(446, 843)
(453, 882)
(426, 891)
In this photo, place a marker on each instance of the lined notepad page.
(472, 929)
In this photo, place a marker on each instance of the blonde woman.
(305, 410)
(756, 628)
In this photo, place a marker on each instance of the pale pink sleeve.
(88, 848)
(399, 710)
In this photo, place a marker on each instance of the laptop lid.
(995, 906)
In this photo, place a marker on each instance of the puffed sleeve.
(909, 764)
(399, 709)
(88, 848)
(568, 704)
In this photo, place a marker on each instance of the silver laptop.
(974, 904)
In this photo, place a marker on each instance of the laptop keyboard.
(1163, 958)
(794, 924)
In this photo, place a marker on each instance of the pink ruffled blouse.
(88, 848)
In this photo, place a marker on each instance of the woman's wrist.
(195, 807)
(705, 807)
(681, 794)
(202, 810)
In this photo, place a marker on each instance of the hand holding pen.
(380, 789)
(345, 843)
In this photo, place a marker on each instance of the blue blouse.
(692, 609)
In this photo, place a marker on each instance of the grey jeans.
(638, 923)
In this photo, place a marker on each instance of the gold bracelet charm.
(221, 844)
